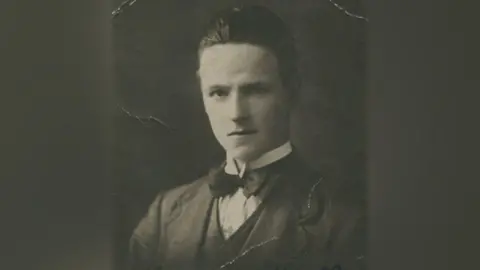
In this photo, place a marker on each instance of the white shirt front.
(235, 209)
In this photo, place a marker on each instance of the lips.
(242, 132)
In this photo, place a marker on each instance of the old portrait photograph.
(240, 135)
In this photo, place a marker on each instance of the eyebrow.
(254, 85)
(218, 87)
(243, 87)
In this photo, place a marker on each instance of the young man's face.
(244, 99)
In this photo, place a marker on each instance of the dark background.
(155, 62)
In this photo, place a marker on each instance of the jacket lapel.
(275, 227)
(186, 231)
(278, 236)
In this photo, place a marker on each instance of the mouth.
(242, 132)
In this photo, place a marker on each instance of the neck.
(236, 166)
(242, 161)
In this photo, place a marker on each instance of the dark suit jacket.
(308, 222)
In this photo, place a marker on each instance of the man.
(263, 208)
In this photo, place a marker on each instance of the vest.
(215, 250)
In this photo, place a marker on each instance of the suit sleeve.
(144, 241)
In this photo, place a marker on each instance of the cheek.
(212, 107)
(217, 127)
(270, 113)
(214, 115)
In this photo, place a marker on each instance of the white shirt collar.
(264, 160)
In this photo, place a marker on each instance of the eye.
(256, 89)
(260, 90)
(218, 93)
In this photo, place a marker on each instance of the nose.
(238, 107)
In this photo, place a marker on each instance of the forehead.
(234, 63)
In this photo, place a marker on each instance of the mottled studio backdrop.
(155, 51)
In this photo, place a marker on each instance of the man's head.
(248, 79)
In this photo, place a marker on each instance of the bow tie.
(223, 184)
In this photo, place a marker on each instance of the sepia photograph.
(240, 135)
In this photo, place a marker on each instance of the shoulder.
(161, 211)
(334, 205)
(345, 216)
(169, 200)
(340, 227)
